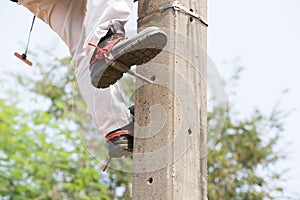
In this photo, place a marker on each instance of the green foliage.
(42, 156)
(242, 158)
(34, 165)
(41, 152)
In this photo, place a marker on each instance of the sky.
(261, 35)
(265, 36)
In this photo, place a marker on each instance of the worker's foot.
(120, 141)
(114, 55)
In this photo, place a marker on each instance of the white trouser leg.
(78, 22)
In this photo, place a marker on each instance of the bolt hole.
(190, 131)
(150, 181)
(153, 78)
(191, 18)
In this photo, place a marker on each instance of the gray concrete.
(170, 118)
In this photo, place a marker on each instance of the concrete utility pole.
(169, 159)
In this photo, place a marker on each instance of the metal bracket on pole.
(139, 76)
(177, 6)
(110, 61)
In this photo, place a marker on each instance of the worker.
(93, 30)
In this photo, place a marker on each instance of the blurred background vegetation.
(49, 148)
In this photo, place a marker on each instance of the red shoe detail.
(112, 136)
(118, 134)
(106, 165)
(105, 51)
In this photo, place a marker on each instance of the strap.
(29, 36)
(118, 134)
(106, 165)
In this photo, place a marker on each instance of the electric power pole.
(169, 159)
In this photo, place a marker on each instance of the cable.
(23, 57)
(28, 41)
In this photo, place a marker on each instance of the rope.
(28, 41)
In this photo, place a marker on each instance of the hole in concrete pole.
(190, 131)
(191, 18)
(150, 181)
(153, 78)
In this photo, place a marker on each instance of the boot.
(114, 55)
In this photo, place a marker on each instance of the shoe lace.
(105, 51)
(106, 165)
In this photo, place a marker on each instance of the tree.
(245, 149)
(41, 153)
(39, 160)
(240, 161)
(42, 156)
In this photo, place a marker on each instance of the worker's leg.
(98, 17)
(78, 22)
(114, 55)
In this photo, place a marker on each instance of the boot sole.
(135, 51)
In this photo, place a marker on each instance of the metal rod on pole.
(140, 77)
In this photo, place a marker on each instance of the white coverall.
(79, 22)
